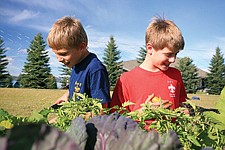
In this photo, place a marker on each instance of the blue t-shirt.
(91, 77)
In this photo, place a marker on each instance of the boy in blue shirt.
(69, 41)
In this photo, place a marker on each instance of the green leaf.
(219, 118)
(193, 140)
(37, 117)
(220, 104)
(128, 103)
(6, 124)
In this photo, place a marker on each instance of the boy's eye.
(169, 55)
(63, 54)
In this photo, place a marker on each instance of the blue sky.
(202, 23)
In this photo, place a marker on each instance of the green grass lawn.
(207, 101)
(21, 102)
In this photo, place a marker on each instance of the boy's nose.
(60, 59)
(172, 59)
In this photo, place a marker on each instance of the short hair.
(163, 33)
(66, 32)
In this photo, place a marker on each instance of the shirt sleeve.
(99, 86)
(119, 94)
(183, 94)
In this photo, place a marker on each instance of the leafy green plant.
(112, 132)
(8, 121)
(90, 124)
(85, 107)
(194, 132)
(219, 118)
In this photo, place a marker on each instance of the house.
(130, 64)
(15, 84)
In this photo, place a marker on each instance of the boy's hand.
(59, 101)
(165, 103)
(63, 98)
(150, 97)
(157, 102)
(57, 104)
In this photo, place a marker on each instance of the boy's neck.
(147, 65)
(86, 53)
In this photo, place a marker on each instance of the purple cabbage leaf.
(36, 137)
(77, 131)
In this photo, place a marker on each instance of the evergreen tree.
(52, 83)
(65, 76)
(36, 72)
(141, 55)
(189, 74)
(5, 77)
(216, 76)
(112, 63)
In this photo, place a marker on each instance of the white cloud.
(129, 46)
(22, 51)
(53, 59)
(221, 39)
(15, 65)
(24, 15)
(8, 48)
(48, 4)
(39, 27)
(202, 52)
(10, 59)
(54, 64)
(7, 12)
(14, 70)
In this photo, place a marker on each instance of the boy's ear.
(83, 45)
(149, 48)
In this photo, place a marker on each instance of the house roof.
(130, 64)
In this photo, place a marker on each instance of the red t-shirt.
(137, 84)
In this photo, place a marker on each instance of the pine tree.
(65, 76)
(111, 60)
(5, 77)
(36, 72)
(141, 55)
(216, 75)
(189, 74)
(52, 83)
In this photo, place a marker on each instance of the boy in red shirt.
(154, 77)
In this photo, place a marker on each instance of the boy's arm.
(63, 98)
(117, 95)
(100, 87)
(183, 93)
(105, 105)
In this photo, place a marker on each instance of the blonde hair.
(163, 33)
(66, 32)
